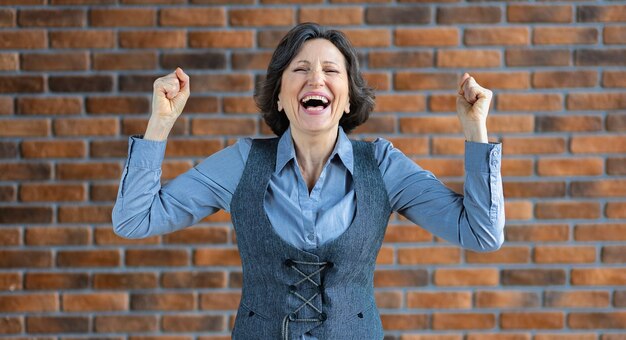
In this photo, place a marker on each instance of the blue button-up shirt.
(306, 219)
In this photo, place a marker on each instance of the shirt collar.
(286, 150)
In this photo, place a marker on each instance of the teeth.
(307, 98)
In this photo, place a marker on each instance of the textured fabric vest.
(328, 292)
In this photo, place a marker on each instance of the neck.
(312, 152)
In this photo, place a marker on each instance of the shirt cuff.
(143, 153)
(483, 157)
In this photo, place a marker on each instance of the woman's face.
(314, 89)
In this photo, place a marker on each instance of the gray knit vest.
(328, 292)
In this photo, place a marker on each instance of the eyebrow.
(324, 62)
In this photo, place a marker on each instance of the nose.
(316, 78)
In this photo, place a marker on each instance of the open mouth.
(314, 103)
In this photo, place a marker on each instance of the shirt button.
(311, 237)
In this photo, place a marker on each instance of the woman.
(310, 207)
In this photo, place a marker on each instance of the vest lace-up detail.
(293, 289)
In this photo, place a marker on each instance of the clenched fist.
(168, 101)
(472, 107)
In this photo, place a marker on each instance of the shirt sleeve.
(144, 208)
(474, 220)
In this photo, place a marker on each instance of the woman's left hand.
(472, 107)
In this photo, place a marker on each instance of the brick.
(25, 258)
(573, 336)
(11, 325)
(88, 258)
(21, 84)
(56, 281)
(576, 299)
(137, 126)
(25, 171)
(587, 101)
(222, 83)
(223, 126)
(23, 39)
(615, 210)
(53, 149)
(468, 58)
(235, 280)
(430, 255)
(122, 17)
(261, 17)
(57, 236)
(49, 105)
(88, 171)
(205, 60)
(57, 324)
(204, 235)
(222, 39)
(563, 254)
(195, 16)
(193, 323)
(108, 148)
(332, 16)
(206, 105)
(82, 2)
(51, 18)
(447, 145)
(400, 59)
(598, 320)
(536, 145)
(529, 102)
(291, 1)
(32, 303)
(604, 57)
(507, 299)
(510, 123)
(103, 192)
(24, 128)
(194, 280)
(614, 79)
(583, 166)
(400, 278)
(106, 236)
(502, 255)
(6, 105)
(378, 81)
(466, 277)
(619, 298)
(124, 61)
(600, 232)
(154, 2)
(377, 124)
(400, 103)
(125, 323)
(532, 320)
(410, 146)
(533, 277)
(397, 15)
(611, 13)
(172, 169)
(598, 144)
(7, 18)
(468, 15)
(442, 167)
(117, 105)
(389, 299)
(404, 321)
(125, 281)
(86, 127)
(250, 60)
(463, 321)
(239, 105)
(536, 189)
(561, 79)
(406, 233)
(25, 214)
(158, 257)
(614, 35)
(190, 148)
(518, 210)
(411, 81)
(84, 214)
(430, 125)
(9, 62)
(153, 39)
(216, 257)
(368, 37)
(605, 188)
(443, 300)
(565, 35)
(22, 2)
(95, 302)
(539, 13)
(97, 83)
(10, 237)
(534, 57)
(7, 194)
(270, 38)
(569, 123)
(440, 36)
(566, 209)
(55, 62)
(82, 39)
(500, 36)
(162, 301)
(537, 233)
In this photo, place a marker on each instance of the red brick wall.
(75, 82)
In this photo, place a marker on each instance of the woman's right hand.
(168, 101)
